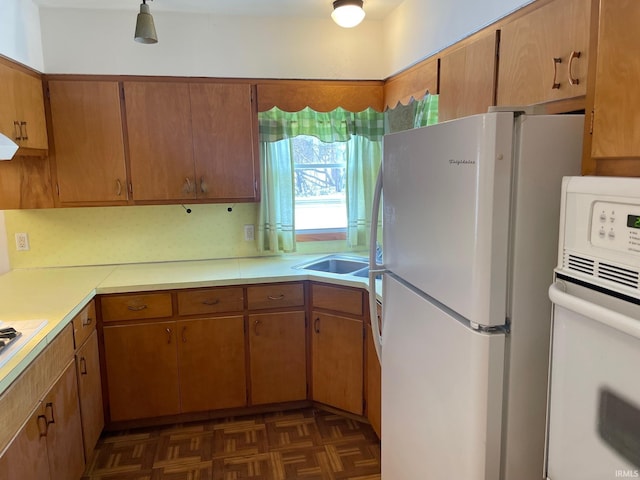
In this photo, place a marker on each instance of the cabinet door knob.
(43, 426)
(168, 330)
(204, 188)
(87, 321)
(572, 57)
(556, 61)
(49, 410)
(256, 324)
(316, 325)
(83, 366)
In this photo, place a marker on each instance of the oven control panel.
(616, 226)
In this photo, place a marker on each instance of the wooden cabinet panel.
(84, 323)
(275, 296)
(25, 182)
(64, 433)
(528, 73)
(339, 299)
(374, 384)
(136, 306)
(210, 300)
(616, 143)
(224, 146)
(160, 141)
(90, 392)
(211, 356)
(142, 370)
(88, 141)
(468, 79)
(26, 457)
(412, 83)
(337, 361)
(22, 108)
(277, 347)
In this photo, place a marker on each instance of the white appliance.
(593, 428)
(470, 215)
(8, 148)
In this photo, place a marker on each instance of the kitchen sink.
(340, 264)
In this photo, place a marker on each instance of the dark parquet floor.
(308, 444)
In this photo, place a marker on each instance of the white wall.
(20, 32)
(417, 29)
(101, 42)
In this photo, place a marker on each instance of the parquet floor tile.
(308, 444)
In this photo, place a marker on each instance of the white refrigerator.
(470, 231)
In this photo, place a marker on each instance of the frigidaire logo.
(461, 162)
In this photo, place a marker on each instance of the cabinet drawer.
(339, 299)
(84, 323)
(275, 296)
(133, 307)
(210, 300)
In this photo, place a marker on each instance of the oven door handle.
(611, 318)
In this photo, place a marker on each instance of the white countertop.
(58, 294)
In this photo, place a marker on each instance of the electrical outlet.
(248, 233)
(22, 241)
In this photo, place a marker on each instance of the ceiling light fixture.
(145, 28)
(348, 13)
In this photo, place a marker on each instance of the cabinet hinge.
(593, 113)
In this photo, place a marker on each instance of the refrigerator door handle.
(374, 268)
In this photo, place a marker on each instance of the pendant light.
(348, 13)
(145, 28)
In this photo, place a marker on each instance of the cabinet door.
(7, 104)
(536, 62)
(616, 113)
(90, 393)
(64, 434)
(30, 110)
(211, 355)
(88, 141)
(468, 79)
(337, 358)
(374, 374)
(160, 141)
(26, 456)
(142, 370)
(277, 348)
(223, 140)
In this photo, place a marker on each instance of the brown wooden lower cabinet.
(337, 361)
(211, 360)
(49, 446)
(374, 377)
(90, 392)
(142, 370)
(277, 348)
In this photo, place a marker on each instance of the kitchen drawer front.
(210, 300)
(339, 299)
(275, 296)
(84, 323)
(135, 307)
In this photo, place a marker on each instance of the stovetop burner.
(7, 336)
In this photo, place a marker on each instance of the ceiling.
(375, 9)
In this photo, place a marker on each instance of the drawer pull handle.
(83, 366)
(168, 330)
(49, 408)
(23, 132)
(43, 431)
(556, 61)
(316, 325)
(87, 321)
(137, 308)
(256, 324)
(572, 57)
(118, 187)
(211, 302)
(279, 297)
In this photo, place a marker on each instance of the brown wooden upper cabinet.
(544, 54)
(468, 78)
(192, 141)
(22, 108)
(615, 143)
(88, 145)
